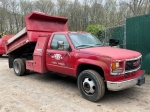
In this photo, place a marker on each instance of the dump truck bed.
(36, 24)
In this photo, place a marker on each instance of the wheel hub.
(89, 85)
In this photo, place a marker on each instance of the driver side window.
(56, 38)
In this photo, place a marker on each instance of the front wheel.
(91, 85)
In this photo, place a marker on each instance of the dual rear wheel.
(20, 67)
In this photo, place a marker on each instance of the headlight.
(117, 67)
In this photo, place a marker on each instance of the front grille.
(133, 64)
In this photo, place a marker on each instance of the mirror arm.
(68, 54)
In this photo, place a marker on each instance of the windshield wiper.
(98, 44)
(83, 46)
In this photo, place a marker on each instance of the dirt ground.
(53, 93)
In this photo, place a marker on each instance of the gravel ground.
(53, 93)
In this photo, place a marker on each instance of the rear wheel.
(26, 71)
(19, 67)
(91, 85)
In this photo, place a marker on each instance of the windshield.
(80, 40)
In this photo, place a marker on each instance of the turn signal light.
(115, 65)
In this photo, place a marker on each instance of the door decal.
(57, 56)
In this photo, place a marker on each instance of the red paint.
(123, 77)
(3, 41)
(2, 50)
(46, 59)
(38, 24)
(39, 54)
(114, 53)
(16, 44)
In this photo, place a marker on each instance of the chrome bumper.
(116, 86)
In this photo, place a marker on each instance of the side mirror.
(60, 43)
(62, 46)
(113, 42)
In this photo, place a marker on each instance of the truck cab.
(77, 54)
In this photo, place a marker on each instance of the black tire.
(26, 71)
(0, 55)
(19, 67)
(91, 85)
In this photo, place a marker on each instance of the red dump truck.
(45, 44)
(3, 40)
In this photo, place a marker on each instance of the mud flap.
(141, 79)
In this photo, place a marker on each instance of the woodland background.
(81, 13)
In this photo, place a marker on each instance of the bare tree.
(80, 13)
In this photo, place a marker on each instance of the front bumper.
(116, 86)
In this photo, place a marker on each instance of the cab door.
(57, 58)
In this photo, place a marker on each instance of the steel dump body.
(36, 24)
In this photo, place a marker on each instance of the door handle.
(48, 53)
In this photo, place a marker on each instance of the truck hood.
(114, 53)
